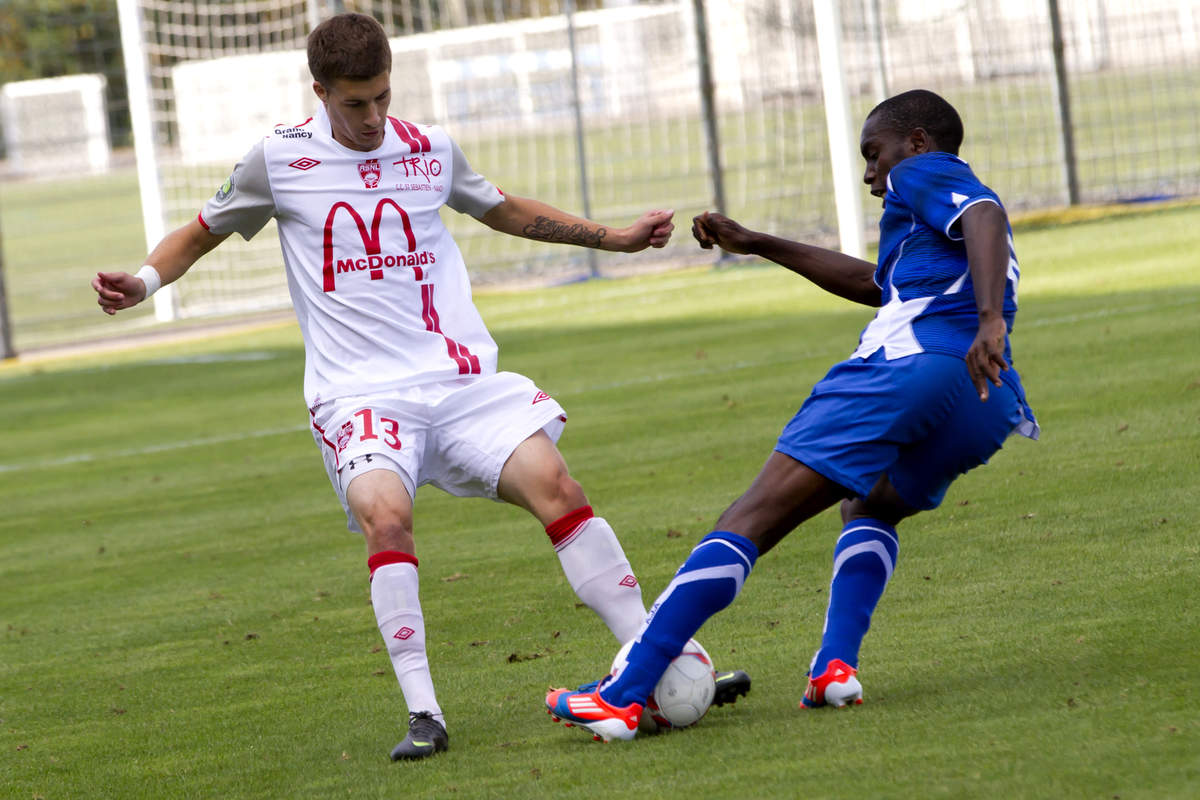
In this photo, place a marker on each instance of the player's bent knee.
(384, 521)
(536, 478)
(556, 497)
(570, 492)
(883, 503)
(389, 535)
(382, 507)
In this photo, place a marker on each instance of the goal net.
(600, 111)
(78, 137)
(498, 76)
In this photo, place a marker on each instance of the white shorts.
(456, 434)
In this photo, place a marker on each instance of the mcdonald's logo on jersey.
(370, 239)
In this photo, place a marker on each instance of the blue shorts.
(916, 419)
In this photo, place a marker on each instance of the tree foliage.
(48, 38)
(51, 38)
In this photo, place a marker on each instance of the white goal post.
(145, 148)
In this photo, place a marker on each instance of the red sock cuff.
(565, 525)
(385, 557)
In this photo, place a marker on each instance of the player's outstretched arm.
(985, 232)
(837, 273)
(171, 258)
(533, 219)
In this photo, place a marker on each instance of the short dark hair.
(352, 46)
(921, 108)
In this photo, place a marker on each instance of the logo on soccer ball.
(369, 171)
(404, 633)
(628, 580)
(304, 163)
(683, 693)
(343, 436)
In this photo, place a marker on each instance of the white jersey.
(377, 282)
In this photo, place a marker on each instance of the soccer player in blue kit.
(928, 394)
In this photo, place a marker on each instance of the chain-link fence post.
(580, 143)
(6, 344)
(1063, 96)
(708, 110)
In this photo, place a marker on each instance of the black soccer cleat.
(730, 686)
(426, 736)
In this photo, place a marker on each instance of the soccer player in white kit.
(400, 372)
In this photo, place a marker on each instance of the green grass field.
(185, 616)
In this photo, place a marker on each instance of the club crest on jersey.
(343, 436)
(369, 171)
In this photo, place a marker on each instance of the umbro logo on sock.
(628, 580)
(403, 633)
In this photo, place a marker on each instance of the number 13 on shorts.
(371, 428)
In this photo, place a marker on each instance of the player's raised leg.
(707, 582)
(382, 506)
(536, 478)
(784, 494)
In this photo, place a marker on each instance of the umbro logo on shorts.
(539, 397)
(628, 580)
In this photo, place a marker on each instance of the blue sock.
(863, 561)
(707, 582)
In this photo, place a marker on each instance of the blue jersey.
(928, 297)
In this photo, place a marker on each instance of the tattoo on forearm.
(549, 230)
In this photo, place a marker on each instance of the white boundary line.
(84, 458)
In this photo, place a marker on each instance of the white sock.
(599, 572)
(398, 612)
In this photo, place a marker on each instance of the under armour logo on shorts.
(354, 461)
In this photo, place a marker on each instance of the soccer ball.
(683, 693)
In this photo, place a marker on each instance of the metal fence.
(603, 109)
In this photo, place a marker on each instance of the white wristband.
(151, 278)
